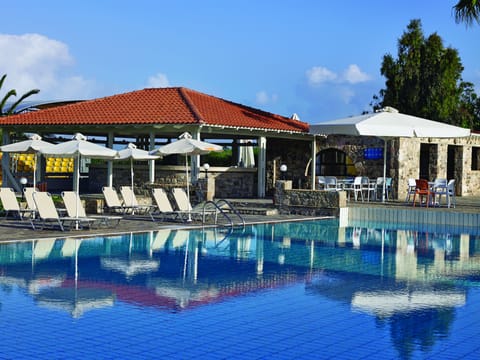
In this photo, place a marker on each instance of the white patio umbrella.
(133, 153)
(187, 146)
(79, 147)
(33, 145)
(386, 124)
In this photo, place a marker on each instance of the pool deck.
(12, 229)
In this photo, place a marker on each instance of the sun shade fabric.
(388, 123)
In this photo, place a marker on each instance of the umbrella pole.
(384, 168)
(188, 189)
(131, 175)
(77, 190)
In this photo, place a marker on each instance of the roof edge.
(182, 91)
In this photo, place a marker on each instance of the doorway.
(455, 165)
(428, 161)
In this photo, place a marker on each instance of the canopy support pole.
(313, 162)
(384, 168)
(110, 139)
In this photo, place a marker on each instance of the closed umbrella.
(133, 153)
(386, 124)
(33, 145)
(79, 147)
(187, 146)
(246, 157)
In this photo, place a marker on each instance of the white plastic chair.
(357, 187)
(321, 182)
(331, 183)
(439, 189)
(370, 188)
(412, 186)
(451, 193)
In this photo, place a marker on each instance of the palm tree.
(467, 11)
(11, 93)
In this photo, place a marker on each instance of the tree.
(467, 11)
(11, 109)
(426, 80)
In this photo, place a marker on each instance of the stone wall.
(308, 202)
(294, 154)
(229, 182)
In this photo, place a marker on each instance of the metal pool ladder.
(222, 207)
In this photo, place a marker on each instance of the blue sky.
(319, 59)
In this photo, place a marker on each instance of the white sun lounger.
(130, 199)
(71, 200)
(163, 207)
(47, 213)
(11, 205)
(186, 208)
(28, 193)
(113, 202)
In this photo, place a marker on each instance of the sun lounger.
(72, 200)
(28, 194)
(113, 202)
(189, 212)
(163, 207)
(130, 199)
(47, 213)
(11, 205)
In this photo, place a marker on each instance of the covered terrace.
(155, 116)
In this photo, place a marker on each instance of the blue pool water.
(300, 290)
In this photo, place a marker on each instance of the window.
(331, 162)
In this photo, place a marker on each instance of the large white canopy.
(388, 123)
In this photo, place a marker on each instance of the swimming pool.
(288, 290)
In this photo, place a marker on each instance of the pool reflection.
(395, 276)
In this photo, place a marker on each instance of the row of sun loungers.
(161, 209)
(42, 212)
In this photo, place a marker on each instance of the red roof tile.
(158, 106)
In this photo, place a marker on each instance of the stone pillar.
(262, 165)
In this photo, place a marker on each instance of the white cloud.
(354, 75)
(319, 74)
(263, 98)
(158, 81)
(35, 61)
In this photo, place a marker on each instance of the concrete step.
(264, 207)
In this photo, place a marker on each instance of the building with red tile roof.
(154, 116)
(160, 110)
